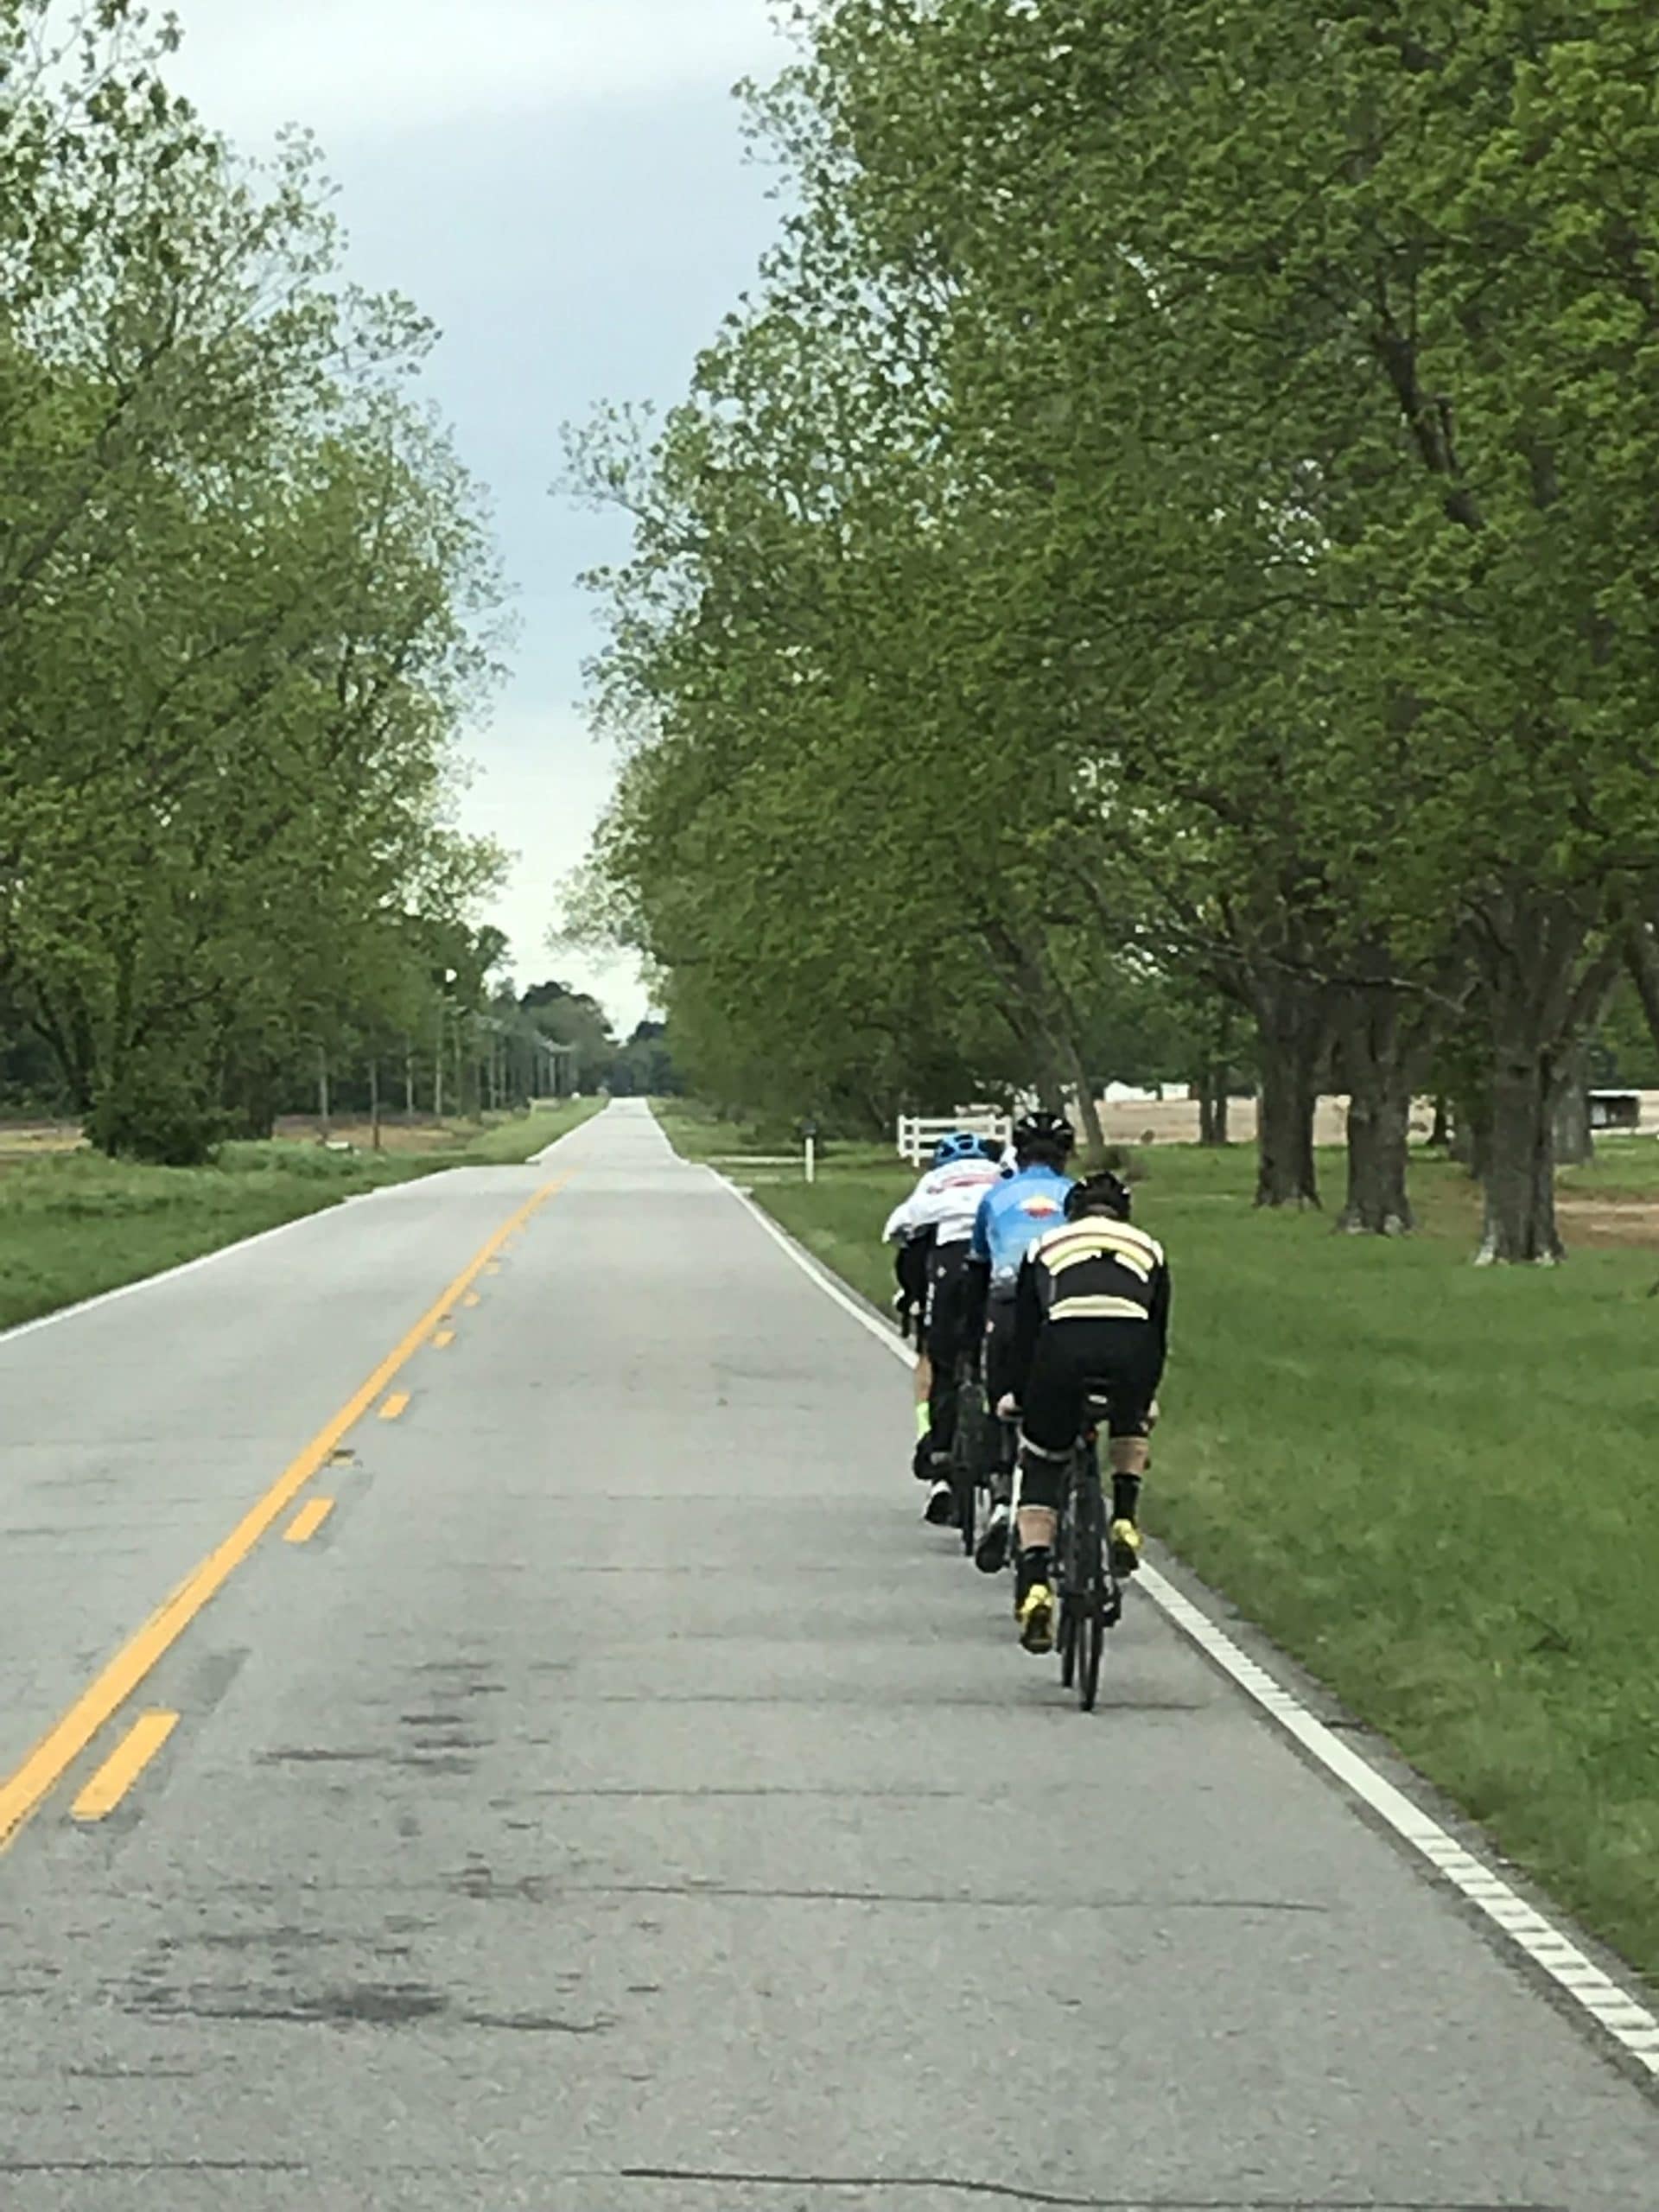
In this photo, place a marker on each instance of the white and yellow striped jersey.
(1100, 1269)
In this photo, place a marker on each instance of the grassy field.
(1434, 1486)
(72, 1223)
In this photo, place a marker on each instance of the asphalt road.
(622, 1803)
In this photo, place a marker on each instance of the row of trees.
(247, 601)
(490, 1053)
(478, 1044)
(1173, 529)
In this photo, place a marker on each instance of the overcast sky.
(561, 186)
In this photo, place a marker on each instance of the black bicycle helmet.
(1049, 1132)
(1101, 1193)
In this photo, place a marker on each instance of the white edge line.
(1613, 2009)
(22, 1329)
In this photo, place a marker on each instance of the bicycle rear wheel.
(1065, 1588)
(1088, 1515)
(968, 1458)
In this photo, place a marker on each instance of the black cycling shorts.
(1119, 1361)
(949, 1307)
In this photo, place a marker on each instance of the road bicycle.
(1089, 1594)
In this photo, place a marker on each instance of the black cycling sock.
(1126, 1497)
(1036, 1565)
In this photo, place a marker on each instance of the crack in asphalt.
(1011, 2192)
(536, 1889)
(1007, 2192)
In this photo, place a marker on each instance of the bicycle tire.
(1065, 1584)
(1066, 1641)
(966, 1453)
(1091, 1600)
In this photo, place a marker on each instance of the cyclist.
(942, 1210)
(1011, 1217)
(1091, 1317)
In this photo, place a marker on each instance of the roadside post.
(809, 1132)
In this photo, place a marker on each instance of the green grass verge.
(76, 1225)
(1433, 1484)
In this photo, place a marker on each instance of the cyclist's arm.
(1159, 1313)
(1027, 1327)
(979, 1246)
(906, 1217)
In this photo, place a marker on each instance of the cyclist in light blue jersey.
(1012, 1216)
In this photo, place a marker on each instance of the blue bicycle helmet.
(959, 1145)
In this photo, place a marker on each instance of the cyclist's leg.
(997, 1351)
(1052, 1417)
(998, 1381)
(945, 1301)
(910, 1267)
(1133, 1374)
(944, 1309)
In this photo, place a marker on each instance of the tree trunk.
(1379, 1069)
(437, 1071)
(1574, 1142)
(1471, 1134)
(374, 1099)
(1642, 959)
(1286, 1172)
(1545, 986)
(323, 1100)
(1208, 1120)
(409, 1078)
(1215, 1081)
(1520, 1178)
(1440, 1137)
(465, 1073)
(1292, 1018)
(1093, 1136)
(1214, 1088)
(1379, 1147)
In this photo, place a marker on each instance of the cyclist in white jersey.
(941, 1211)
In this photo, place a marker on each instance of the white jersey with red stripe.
(945, 1202)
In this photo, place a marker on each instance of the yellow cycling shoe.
(1126, 1549)
(1037, 1619)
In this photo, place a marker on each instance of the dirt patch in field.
(403, 1137)
(1608, 1221)
(1175, 1120)
(37, 1140)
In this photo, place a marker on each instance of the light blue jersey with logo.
(1011, 1214)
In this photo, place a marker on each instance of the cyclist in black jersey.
(1092, 1319)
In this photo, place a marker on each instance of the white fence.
(919, 1132)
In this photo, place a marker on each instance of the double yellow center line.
(22, 1792)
